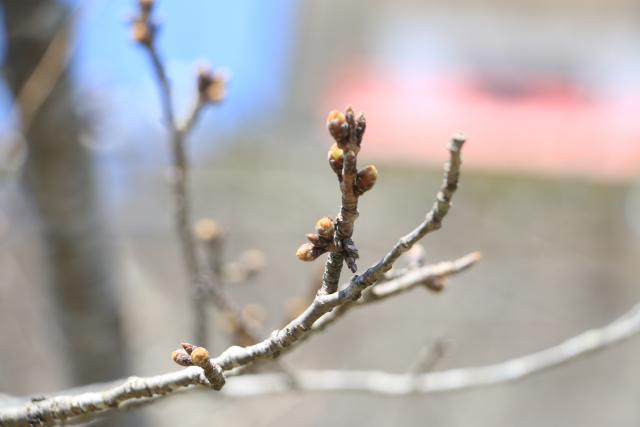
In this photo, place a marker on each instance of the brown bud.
(217, 90)
(211, 86)
(199, 355)
(142, 32)
(366, 178)
(324, 227)
(337, 125)
(306, 252)
(336, 158)
(181, 357)
(207, 230)
(337, 116)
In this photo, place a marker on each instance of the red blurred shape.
(534, 125)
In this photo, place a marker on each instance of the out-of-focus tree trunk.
(59, 180)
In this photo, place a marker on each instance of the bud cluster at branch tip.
(143, 28)
(347, 129)
(190, 355)
(319, 242)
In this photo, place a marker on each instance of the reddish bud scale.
(181, 357)
(187, 347)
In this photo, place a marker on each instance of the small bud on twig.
(181, 357)
(142, 32)
(211, 86)
(190, 355)
(366, 179)
(199, 355)
(336, 159)
(207, 230)
(337, 125)
(324, 227)
(309, 252)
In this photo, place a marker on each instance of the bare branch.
(210, 89)
(399, 285)
(141, 390)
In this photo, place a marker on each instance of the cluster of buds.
(211, 85)
(191, 355)
(346, 129)
(143, 29)
(319, 242)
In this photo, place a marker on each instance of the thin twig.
(180, 177)
(399, 285)
(140, 390)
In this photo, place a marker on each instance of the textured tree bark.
(59, 181)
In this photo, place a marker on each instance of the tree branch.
(409, 281)
(347, 130)
(62, 408)
(137, 391)
(210, 89)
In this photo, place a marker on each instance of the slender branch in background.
(135, 391)
(208, 233)
(422, 276)
(210, 90)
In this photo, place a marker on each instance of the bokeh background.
(547, 93)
